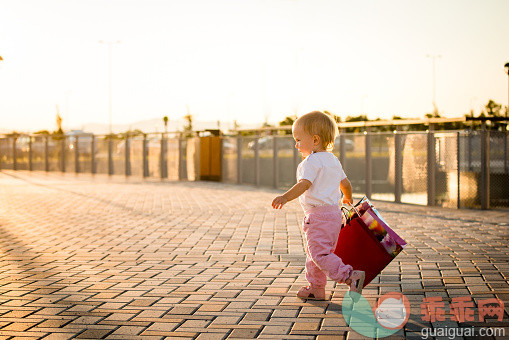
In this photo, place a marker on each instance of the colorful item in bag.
(375, 223)
(365, 204)
(389, 244)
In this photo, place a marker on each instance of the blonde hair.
(321, 124)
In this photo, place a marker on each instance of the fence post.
(14, 154)
(92, 157)
(62, 158)
(30, 153)
(398, 166)
(145, 156)
(469, 149)
(458, 165)
(239, 159)
(506, 151)
(369, 163)
(163, 156)
(46, 153)
(431, 166)
(275, 162)
(485, 167)
(76, 155)
(180, 159)
(295, 162)
(342, 147)
(110, 154)
(257, 159)
(127, 154)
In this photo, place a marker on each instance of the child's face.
(304, 142)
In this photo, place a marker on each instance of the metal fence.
(460, 169)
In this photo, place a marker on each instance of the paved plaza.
(93, 257)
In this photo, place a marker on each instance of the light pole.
(109, 43)
(507, 69)
(67, 93)
(165, 120)
(433, 57)
(363, 105)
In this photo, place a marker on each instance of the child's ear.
(316, 139)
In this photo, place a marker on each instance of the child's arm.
(297, 190)
(346, 188)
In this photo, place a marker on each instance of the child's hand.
(278, 202)
(347, 200)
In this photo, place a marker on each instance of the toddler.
(320, 181)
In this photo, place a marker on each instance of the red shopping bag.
(358, 247)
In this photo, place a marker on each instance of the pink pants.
(322, 226)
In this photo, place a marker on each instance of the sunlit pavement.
(97, 257)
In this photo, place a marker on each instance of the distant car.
(349, 144)
(22, 144)
(229, 146)
(84, 140)
(266, 143)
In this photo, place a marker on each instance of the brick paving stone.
(212, 336)
(149, 314)
(128, 330)
(243, 333)
(59, 336)
(163, 326)
(18, 326)
(181, 310)
(94, 334)
(305, 326)
(212, 307)
(332, 337)
(23, 334)
(119, 317)
(53, 323)
(225, 320)
(16, 314)
(137, 258)
(276, 330)
(192, 324)
(87, 320)
(285, 313)
(143, 337)
(256, 316)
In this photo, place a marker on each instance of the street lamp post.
(507, 69)
(433, 57)
(109, 43)
(507, 123)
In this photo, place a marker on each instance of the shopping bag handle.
(352, 206)
(344, 207)
(344, 214)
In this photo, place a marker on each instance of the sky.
(247, 60)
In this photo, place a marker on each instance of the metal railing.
(463, 169)
(459, 169)
(147, 155)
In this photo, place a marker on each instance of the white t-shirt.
(325, 172)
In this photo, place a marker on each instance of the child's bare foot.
(356, 281)
(311, 293)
